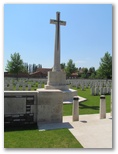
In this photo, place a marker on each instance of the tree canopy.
(70, 68)
(15, 65)
(105, 68)
(103, 72)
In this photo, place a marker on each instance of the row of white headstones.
(22, 84)
(97, 86)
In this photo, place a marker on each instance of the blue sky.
(85, 38)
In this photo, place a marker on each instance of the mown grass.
(60, 138)
(91, 106)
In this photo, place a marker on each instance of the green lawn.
(60, 138)
(91, 106)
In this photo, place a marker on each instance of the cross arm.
(62, 23)
(52, 21)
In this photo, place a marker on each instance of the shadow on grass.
(83, 106)
(54, 126)
(8, 128)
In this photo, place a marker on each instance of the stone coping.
(81, 99)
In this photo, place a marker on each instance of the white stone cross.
(57, 22)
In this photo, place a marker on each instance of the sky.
(85, 39)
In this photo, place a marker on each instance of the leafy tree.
(83, 76)
(15, 65)
(92, 72)
(63, 65)
(85, 70)
(84, 73)
(93, 76)
(70, 68)
(105, 68)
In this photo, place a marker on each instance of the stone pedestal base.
(49, 106)
(69, 94)
(56, 80)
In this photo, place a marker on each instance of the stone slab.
(91, 131)
(69, 94)
(20, 102)
(81, 99)
(15, 105)
(49, 105)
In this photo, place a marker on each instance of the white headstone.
(29, 87)
(17, 87)
(93, 91)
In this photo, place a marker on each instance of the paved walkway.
(90, 130)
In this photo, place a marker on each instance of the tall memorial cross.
(57, 22)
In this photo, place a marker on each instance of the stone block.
(49, 105)
(69, 94)
(56, 80)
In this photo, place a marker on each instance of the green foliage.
(92, 76)
(70, 68)
(85, 73)
(63, 65)
(105, 69)
(16, 64)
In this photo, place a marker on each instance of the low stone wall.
(28, 107)
(20, 107)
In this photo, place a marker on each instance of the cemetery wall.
(20, 75)
(20, 107)
(28, 107)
